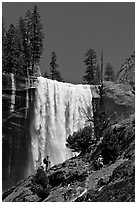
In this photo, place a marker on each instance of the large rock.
(21, 193)
(119, 100)
(126, 75)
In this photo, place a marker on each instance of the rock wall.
(126, 75)
(119, 100)
(20, 82)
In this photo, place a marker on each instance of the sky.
(72, 28)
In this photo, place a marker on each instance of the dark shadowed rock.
(21, 193)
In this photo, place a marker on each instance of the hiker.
(133, 90)
(47, 162)
(98, 163)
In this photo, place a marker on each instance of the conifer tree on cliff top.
(3, 46)
(12, 55)
(109, 73)
(92, 74)
(10, 50)
(46, 75)
(54, 73)
(25, 41)
(36, 37)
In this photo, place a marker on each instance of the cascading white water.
(13, 87)
(60, 110)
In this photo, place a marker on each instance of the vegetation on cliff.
(81, 140)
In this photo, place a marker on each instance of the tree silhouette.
(36, 37)
(26, 54)
(10, 50)
(97, 75)
(54, 73)
(46, 75)
(3, 46)
(109, 73)
(92, 74)
(19, 62)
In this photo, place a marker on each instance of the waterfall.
(60, 110)
(13, 95)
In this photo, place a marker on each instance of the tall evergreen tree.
(27, 43)
(91, 67)
(10, 49)
(46, 74)
(109, 73)
(23, 45)
(3, 46)
(54, 73)
(97, 75)
(20, 52)
(36, 39)
(17, 55)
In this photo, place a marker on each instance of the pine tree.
(36, 39)
(109, 73)
(25, 55)
(54, 73)
(19, 62)
(46, 75)
(97, 75)
(10, 49)
(27, 43)
(91, 67)
(3, 46)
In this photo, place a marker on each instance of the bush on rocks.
(81, 140)
(40, 183)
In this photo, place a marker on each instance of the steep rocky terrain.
(77, 180)
(119, 100)
(126, 75)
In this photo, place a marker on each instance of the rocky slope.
(126, 75)
(77, 180)
(119, 100)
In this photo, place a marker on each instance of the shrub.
(56, 178)
(112, 143)
(41, 177)
(40, 183)
(81, 140)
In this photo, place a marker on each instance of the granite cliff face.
(17, 111)
(76, 179)
(119, 101)
(126, 75)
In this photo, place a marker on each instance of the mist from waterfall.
(13, 88)
(60, 110)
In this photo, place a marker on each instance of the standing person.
(47, 163)
(100, 161)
